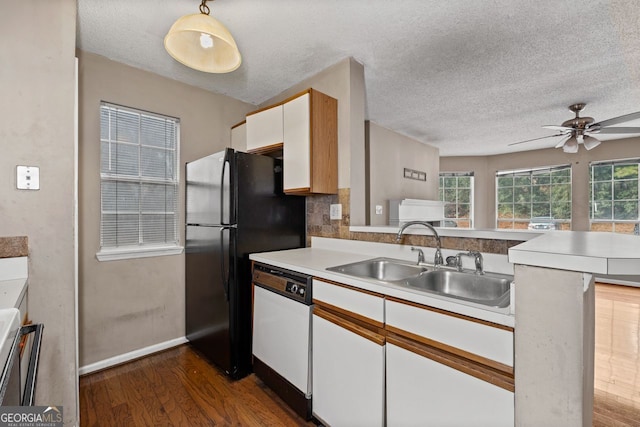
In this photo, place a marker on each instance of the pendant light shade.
(202, 43)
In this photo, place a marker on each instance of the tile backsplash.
(319, 225)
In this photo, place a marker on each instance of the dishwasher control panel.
(291, 284)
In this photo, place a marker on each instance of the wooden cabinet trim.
(324, 143)
(291, 98)
(353, 288)
(365, 322)
(352, 327)
(239, 124)
(453, 361)
(450, 313)
(302, 191)
(267, 149)
(501, 367)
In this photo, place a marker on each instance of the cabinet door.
(422, 392)
(296, 155)
(239, 137)
(348, 376)
(264, 128)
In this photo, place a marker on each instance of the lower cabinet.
(424, 392)
(380, 360)
(348, 372)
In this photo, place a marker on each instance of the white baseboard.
(126, 357)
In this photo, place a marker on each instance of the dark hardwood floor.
(179, 388)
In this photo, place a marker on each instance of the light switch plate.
(28, 177)
(335, 211)
(378, 209)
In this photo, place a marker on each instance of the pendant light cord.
(204, 9)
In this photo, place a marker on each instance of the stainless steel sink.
(384, 269)
(488, 289)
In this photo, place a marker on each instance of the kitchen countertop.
(585, 251)
(13, 281)
(314, 261)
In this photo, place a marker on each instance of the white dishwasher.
(282, 334)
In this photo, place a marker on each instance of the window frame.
(530, 173)
(441, 188)
(592, 203)
(141, 249)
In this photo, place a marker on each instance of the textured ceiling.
(468, 77)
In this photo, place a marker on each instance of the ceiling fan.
(580, 130)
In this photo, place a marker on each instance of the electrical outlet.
(335, 211)
(28, 177)
(378, 209)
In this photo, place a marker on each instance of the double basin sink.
(489, 289)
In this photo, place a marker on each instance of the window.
(139, 182)
(534, 198)
(613, 196)
(456, 190)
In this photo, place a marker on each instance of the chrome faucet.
(438, 257)
(477, 257)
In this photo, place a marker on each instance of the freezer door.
(209, 285)
(208, 190)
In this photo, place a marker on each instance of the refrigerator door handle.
(224, 272)
(225, 160)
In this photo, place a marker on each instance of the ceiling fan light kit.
(579, 130)
(203, 43)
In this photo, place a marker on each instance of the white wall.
(37, 86)
(388, 154)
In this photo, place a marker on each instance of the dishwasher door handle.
(34, 356)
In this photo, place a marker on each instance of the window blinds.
(139, 178)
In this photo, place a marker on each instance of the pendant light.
(202, 43)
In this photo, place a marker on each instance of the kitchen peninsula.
(552, 309)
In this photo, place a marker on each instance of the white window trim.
(145, 251)
(132, 252)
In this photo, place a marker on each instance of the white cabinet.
(239, 136)
(445, 369)
(348, 355)
(348, 373)
(265, 130)
(492, 344)
(423, 392)
(310, 149)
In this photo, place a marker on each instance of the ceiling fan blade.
(620, 119)
(616, 130)
(560, 128)
(535, 139)
(562, 141)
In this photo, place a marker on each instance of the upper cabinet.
(310, 151)
(264, 130)
(304, 131)
(239, 136)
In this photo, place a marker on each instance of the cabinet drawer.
(367, 306)
(473, 339)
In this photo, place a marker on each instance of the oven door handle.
(34, 356)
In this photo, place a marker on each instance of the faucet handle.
(420, 254)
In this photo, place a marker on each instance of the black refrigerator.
(234, 206)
